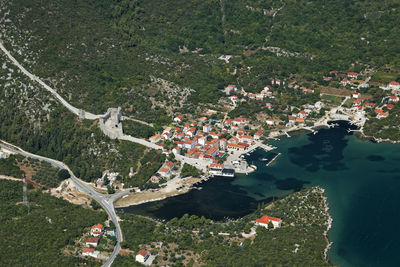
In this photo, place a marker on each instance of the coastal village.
(215, 146)
(217, 142)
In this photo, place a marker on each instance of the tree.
(110, 189)
(63, 174)
(270, 225)
(95, 205)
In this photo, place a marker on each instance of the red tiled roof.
(97, 226)
(142, 252)
(87, 250)
(216, 165)
(169, 164)
(236, 145)
(265, 219)
(92, 240)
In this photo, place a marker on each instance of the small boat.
(263, 159)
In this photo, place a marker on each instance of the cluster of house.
(265, 220)
(96, 232)
(204, 140)
(345, 78)
(383, 111)
(301, 117)
(265, 93)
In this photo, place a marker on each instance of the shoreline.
(119, 206)
(329, 225)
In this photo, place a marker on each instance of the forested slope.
(37, 237)
(102, 53)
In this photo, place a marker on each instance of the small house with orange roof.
(92, 241)
(394, 99)
(258, 134)
(90, 252)
(178, 118)
(353, 75)
(270, 121)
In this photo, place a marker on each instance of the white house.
(92, 241)
(270, 122)
(356, 95)
(155, 138)
(394, 86)
(142, 256)
(178, 118)
(228, 90)
(96, 230)
(345, 82)
(264, 220)
(90, 252)
(394, 99)
(206, 128)
(353, 75)
(234, 99)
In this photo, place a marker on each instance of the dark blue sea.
(361, 178)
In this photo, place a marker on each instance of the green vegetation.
(47, 175)
(137, 129)
(149, 164)
(123, 42)
(334, 100)
(385, 128)
(79, 144)
(9, 167)
(189, 170)
(303, 215)
(63, 174)
(37, 237)
(385, 77)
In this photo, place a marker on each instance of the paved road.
(107, 202)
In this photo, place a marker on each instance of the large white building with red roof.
(265, 220)
(97, 230)
(394, 85)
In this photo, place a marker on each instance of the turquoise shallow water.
(362, 182)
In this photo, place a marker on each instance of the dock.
(272, 160)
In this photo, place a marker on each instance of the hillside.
(38, 236)
(104, 53)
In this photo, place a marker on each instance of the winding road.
(106, 201)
